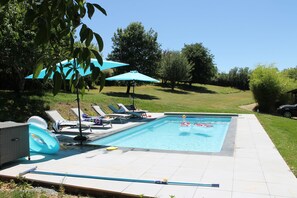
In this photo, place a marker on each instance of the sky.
(239, 33)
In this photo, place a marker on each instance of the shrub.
(287, 84)
(265, 83)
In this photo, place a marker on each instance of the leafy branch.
(55, 19)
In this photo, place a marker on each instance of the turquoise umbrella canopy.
(132, 76)
(106, 65)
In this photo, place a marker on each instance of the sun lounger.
(139, 111)
(115, 110)
(59, 122)
(132, 108)
(129, 107)
(119, 116)
(126, 111)
(97, 120)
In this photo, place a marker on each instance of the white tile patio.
(255, 169)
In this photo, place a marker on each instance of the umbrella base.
(80, 138)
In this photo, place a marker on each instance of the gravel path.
(249, 107)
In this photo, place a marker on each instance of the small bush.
(265, 83)
(287, 84)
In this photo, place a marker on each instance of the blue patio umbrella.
(132, 76)
(66, 67)
(106, 65)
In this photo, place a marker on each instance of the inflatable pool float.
(185, 124)
(203, 125)
(38, 121)
(41, 140)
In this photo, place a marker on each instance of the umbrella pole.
(133, 95)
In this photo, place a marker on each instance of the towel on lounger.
(96, 120)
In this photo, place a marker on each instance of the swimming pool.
(173, 133)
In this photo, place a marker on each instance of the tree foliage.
(16, 46)
(203, 67)
(138, 48)
(52, 20)
(19, 52)
(174, 67)
(237, 77)
(287, 84)
(291, 73)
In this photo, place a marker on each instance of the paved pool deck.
(256, 169)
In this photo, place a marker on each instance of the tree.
(202, 60)
(222, 79)
(136, 47)
(239, 78)
(244, 78)
(291, 73)
(174, 67)
(54, 19)
(236, 77)
(19, 53)
(13, 45)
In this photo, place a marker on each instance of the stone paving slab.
(255, 169)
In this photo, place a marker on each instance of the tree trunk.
(20, 81)
(22, 84)
(128, 88)
(172, 85)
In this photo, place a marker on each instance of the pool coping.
(226, 150)
(201, 113)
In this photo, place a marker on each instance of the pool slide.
(40, 138)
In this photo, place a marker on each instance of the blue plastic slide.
(41, 139)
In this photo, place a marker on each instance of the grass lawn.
(283, 132)
(199, 98)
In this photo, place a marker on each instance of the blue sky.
(242, 33)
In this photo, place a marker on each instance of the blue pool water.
(198, 134)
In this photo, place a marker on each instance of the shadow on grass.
(195, 88)
(139, 96)
(19, 107)
(174, 91)
(185, 89)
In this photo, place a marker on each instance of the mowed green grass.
(199, 98)
(283, 132)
